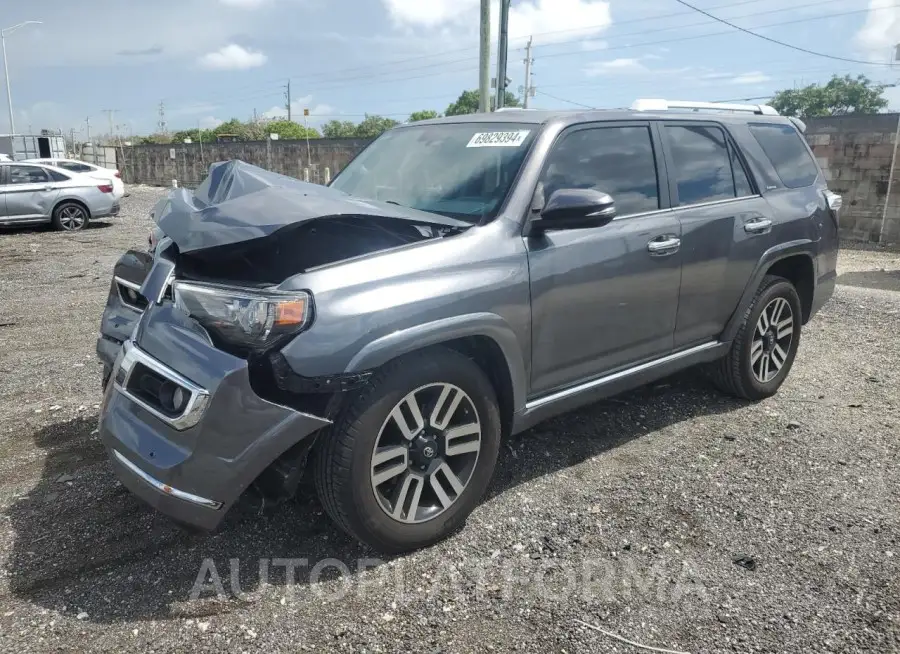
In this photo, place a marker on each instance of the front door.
(606, 297)
(29, 192)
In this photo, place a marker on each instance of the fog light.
(132, 294)
(172, 397)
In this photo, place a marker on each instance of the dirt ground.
(672, 516)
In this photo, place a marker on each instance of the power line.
(563, 99)
(781, 43)
(328, 76)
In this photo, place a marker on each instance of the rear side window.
(57, 176)
(785, 149)
(615, 160)
(75, 167)
(702, 163)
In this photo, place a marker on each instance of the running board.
(596, 389)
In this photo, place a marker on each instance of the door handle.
(48, 188)
(758, 227)
(664, 245)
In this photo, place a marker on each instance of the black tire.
(70, 217)
(734, 373)
(343, 457)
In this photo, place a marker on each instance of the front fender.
(804, 246)
(381, 350)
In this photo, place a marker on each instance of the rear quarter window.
(786, 150)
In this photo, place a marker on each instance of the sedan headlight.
(242, 317)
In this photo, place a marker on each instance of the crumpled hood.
(239, 202)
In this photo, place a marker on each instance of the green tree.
(288, 129)
(374, 126)
(336, 129)
(425, 114)
(467, 103)
(840, 96)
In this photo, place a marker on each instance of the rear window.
(75, 167)
(785, 149)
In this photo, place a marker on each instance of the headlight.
(243, 317)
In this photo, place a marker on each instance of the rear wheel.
(70, 217)
(411, 455)
(763, 351)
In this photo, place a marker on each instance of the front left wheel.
(412, 453)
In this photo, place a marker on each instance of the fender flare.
(774, 254)
(404, 341)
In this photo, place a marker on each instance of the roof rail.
(648, 104)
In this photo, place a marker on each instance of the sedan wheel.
(70, 217)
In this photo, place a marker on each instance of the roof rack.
(649, 104)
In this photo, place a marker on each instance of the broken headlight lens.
(242, 317)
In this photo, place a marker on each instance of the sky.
(207, 61)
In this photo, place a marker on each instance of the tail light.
(105, 188)
(118, 174)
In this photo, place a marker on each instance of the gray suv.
(461, 280)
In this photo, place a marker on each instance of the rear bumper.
(195, 471)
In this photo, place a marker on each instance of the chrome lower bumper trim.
(165, 488)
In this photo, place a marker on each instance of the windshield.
(461, 170)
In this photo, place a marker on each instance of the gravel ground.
(671, 516)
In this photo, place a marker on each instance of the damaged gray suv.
(461, 280)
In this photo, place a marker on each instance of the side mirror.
(576, 208)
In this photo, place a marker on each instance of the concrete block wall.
(160, 164)
(856, 152)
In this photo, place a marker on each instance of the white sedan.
(89, 169)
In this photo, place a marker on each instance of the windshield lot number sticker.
(498, 139)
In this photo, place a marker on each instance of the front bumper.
(194, 472)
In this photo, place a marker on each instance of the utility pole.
(529, 88)
(502, 49)
(110, 113)
(87, 122)
(484, 66)
(72, 136)
(163, 127)
(288, 96)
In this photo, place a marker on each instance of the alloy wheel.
(772, 340)
(71, 217)
(426, 453)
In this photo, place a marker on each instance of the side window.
(789, 156)
(742, 185)
(57, 176)
(615, 160)
(27, 175)
(702, 163)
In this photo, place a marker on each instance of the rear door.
(30, 192)
(605, 297)
(725, 225)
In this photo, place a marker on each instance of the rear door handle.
(758, 227)
(664, 245)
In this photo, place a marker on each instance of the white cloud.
(233, 57)
(210, 122)
(615, 67)
(429, 13)
(547, 20)
(244, 4)
(881, 31)
(755, 77)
